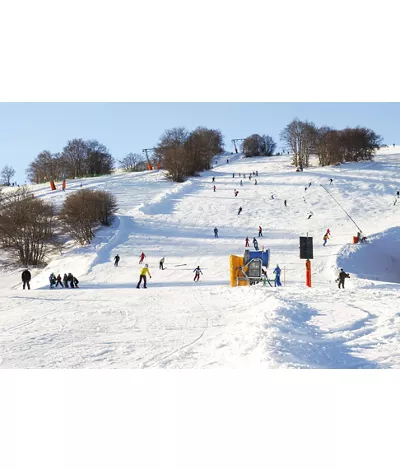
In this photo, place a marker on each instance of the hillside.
(176, 323)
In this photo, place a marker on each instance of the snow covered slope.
(181, 324)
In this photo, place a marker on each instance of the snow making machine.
(247, 270)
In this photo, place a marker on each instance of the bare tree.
(131, 161)
(6, 174)
(27, 227)
(257, 145)
(300, 138)
(86, 209)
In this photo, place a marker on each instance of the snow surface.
(177, 323)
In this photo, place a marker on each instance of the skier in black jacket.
(341, 278)
(26, 278)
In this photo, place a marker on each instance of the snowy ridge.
(181, 324)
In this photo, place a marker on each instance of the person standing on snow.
(142, 277)
(241, 183)
(285, 202)
(260, 231)
(255, 243)
(325, 238)
(59, 281)
(116, 260)
(247, 242)
(342, 277)
(26, 278)
(52, 280)
(65, 280)
(240, 210)
(215, 232)
(197, 275)
(233, 175)
(142, 257)
(277, 272)
(330, 181)
(214, 188)
(162, 263)
(255, 181)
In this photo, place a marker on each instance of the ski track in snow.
(177, 323)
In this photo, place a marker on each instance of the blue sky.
(28, 128)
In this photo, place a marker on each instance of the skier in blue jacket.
(277, 272)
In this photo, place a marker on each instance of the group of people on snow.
(68, 281)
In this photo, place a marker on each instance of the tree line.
(185, 153)
(32, 228)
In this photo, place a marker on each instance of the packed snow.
(177, 323)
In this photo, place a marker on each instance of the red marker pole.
(308, 273)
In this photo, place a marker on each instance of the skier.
(241, 183)
(240, 210)
(255, 181)
(397, 193)
(65, 280)
(310, 214)
(233, 175)
(247, 242)
(255, 243)
(272, 196)
(309, 184)
(256, 173)
(236, 192)
(227, 160)
(216, 232)
(214, 188)
(26, 278)
(250, 176)
(75, 282)
(213, 179)
(52, 279)
(116, 258)
(70, 279)
(260, 231)
(306, 187)
(325, 238)
(197, 275)
(142, 277)
(285, 202)
(59, 281)
(330, 181)
(162, 263)
(141, 258)
(277, 272)
(341, 278)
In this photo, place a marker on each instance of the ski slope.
(177, 323)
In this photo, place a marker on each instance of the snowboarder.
(277, 272)
(141, 258)
(142, 277)
(75, 282)
(65, 280)
(26, 278)
(52, 279)
(285, 202)
(240, 210)
(310, 214)
(325, 238)
(197, 275)
(330, 180)
(216, 232)
(162, 263)
(247, 242)
(260, 231)
(341, 278)
(214, 188)
(59, 281)
(255, 181)
(116, 260)
(255, 243)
